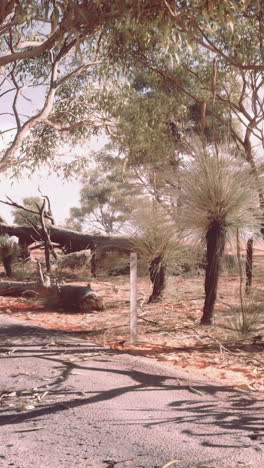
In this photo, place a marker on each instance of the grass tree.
(9, 249)
(218, 197)
(157, 244)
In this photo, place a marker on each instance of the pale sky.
(62, 194)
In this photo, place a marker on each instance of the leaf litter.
(168, 331)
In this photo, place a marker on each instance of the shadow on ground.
(202, 406)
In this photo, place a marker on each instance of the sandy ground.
(168, 331)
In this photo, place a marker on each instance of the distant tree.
(25, 218)
(106, 204)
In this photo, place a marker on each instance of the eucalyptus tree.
(60, 48)
(214, 73)
(27, 218)
(213, 62)
(106, 203)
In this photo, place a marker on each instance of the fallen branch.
(151, 322)
(222, 348)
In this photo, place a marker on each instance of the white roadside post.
(133, 298)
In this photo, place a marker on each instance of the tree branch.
(179, 19)
(10, 154)
(33, 52)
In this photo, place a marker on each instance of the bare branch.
(21, 207)
(78, 71)
(25, 44)
(14, 105)
(48, 214)
(10, 154)
(32, 52)
(7, 91)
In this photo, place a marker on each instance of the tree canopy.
(63, 51)
(28, 218)
(106, 204)
(150, 74)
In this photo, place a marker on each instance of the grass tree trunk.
(157, 271)
(7, 262)
(215, 244)
(249, 265)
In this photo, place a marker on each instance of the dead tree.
(69, 241)
(72, 241)
(48, 247)
(40, 232)
(69, 297)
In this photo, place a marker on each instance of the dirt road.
(67, 403)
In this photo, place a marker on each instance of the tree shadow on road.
(221, 406)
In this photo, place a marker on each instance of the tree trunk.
(47, 257)
(157, 271)
(93, 264)
(18, 288)
(7, 262)
(24, 252)
(249, 265)
(215, 244)
(69, 297)
(69, 241)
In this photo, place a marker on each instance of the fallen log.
(69, 297)
(18, 288)
(72, 297)
(68, 240)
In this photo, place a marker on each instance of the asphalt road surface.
(67, 403)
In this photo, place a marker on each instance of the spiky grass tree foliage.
(217, 196)
(155, 241)
(8, 251)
